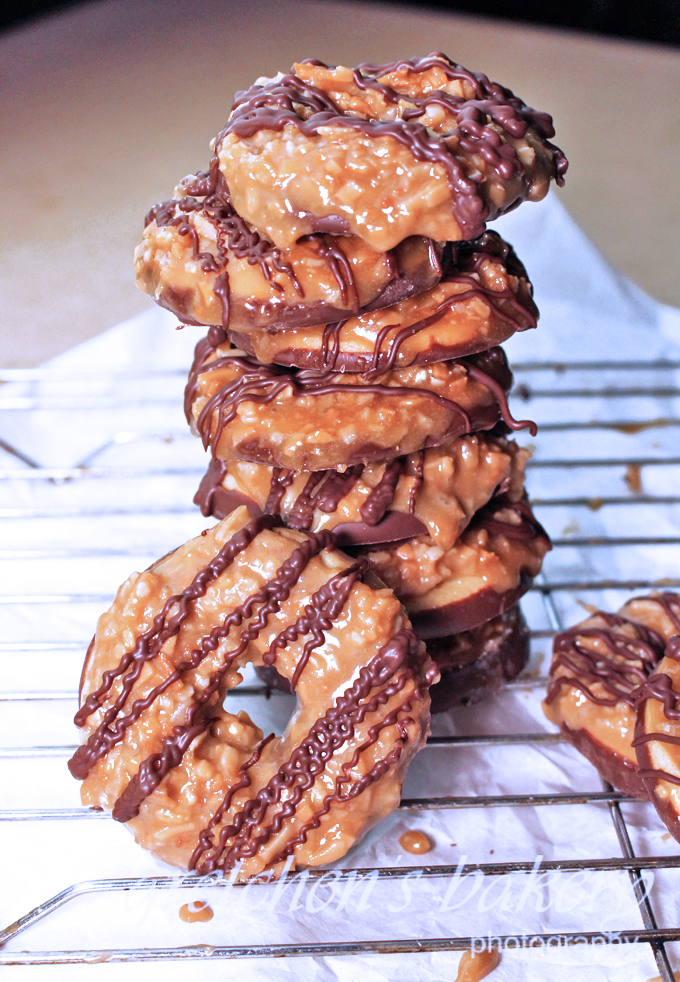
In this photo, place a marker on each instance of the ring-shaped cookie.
(309, 421)
(203, 262)
(420, 147)
(436, 491)
(483, 298)
(596, 671)
(480, 576)
(472, 665)
(198, 785)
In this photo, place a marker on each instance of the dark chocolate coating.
(611, 766)
(396, 526)
(476, 663)
(462, 615)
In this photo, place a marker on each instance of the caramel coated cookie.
(435, 491)
(207, 265)
(597, 669)
(308, 421)
(657, 728)
(482, 299)
(473, 664)
(202, 788)
(480, 576)
(420, 147)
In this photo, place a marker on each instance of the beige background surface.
(103, 108)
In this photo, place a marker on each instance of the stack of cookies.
(351, 378)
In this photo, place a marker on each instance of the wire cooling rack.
(604, 481)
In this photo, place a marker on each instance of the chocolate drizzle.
(271, 595)
(310, 757)
(381, 497)
(359, 785)
(233, 234)
(477, 126)
(619, 669)
(281, 479)
(236, 237)
(329, 488)
(670, 604)
(326, 737)
(164, 627)
(263, 383)
(107, 736)
(660, 687)
(466, 258)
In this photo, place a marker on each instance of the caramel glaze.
(475, 966)
(263, 383)
(308, 759)
(460, 262)
(619, 676)
(324, 738)
(273, 105)
(660, 687)
(627, 676)
(198, 911)
(235, 235)
(415, 842)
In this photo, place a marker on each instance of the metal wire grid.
(599, 485)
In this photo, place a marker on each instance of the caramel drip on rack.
(277, 103)
(310, 758)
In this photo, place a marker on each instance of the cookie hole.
(268, 707)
